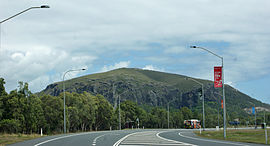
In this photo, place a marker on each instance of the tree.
(33, 113)
(2, 96)
(178, 120)
(31, 109)
(9, 125)
(153, 121)
(104, 113)
(53, 113)
(159, 116)
(142, 115)
(129, 108)
(86, 109)
(74, 120)
(14, 104)
(2, 87)
(186, 112)
(73, 101)
(196, 114)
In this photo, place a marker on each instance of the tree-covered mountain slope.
(155, 88)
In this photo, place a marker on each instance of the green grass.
(248, 136)
(14, 138)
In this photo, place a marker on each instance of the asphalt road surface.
(156, 137)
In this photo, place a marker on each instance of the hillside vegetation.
(24, 112)
(153, 88)
(145, 95)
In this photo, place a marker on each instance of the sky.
(40, 45)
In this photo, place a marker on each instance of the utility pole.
(264, 116)
(119, 115)
(255, 118)
(168, 115)
(202, 99)
(218, 114)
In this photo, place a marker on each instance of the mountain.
(155, 88)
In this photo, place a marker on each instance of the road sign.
(222, 104)
(218, 76)
(253, 110)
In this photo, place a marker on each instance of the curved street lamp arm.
(65, 94)
(207, 51)
(43, 6)
(71, 71)
(17, 14)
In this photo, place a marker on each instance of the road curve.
(155, 137)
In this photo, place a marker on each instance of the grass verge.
(249, 136)
(14, 138)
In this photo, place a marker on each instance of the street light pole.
(255, 117)
(168, 116)
(43, 6)
(119, 114)
(202, 99)
(224, 105)
(65, 95)
(218, 105)
(168, 112)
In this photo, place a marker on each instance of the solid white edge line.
(211, 140)
(183, 143)
(61, 138)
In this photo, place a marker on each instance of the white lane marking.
(152, 144)
(172, 140)
(95, 140)
(61, 138)
(120, 140)
(212, 140)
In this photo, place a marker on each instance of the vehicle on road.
(192, 124)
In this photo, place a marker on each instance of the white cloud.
(34, 66)
(122, 64)
(17, 56)
(158, 59)
(151, 67)
(175, 50)
(44, 42)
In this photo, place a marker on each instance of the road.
(155, 137)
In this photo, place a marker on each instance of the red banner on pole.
(218, 76)
(222, 104)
